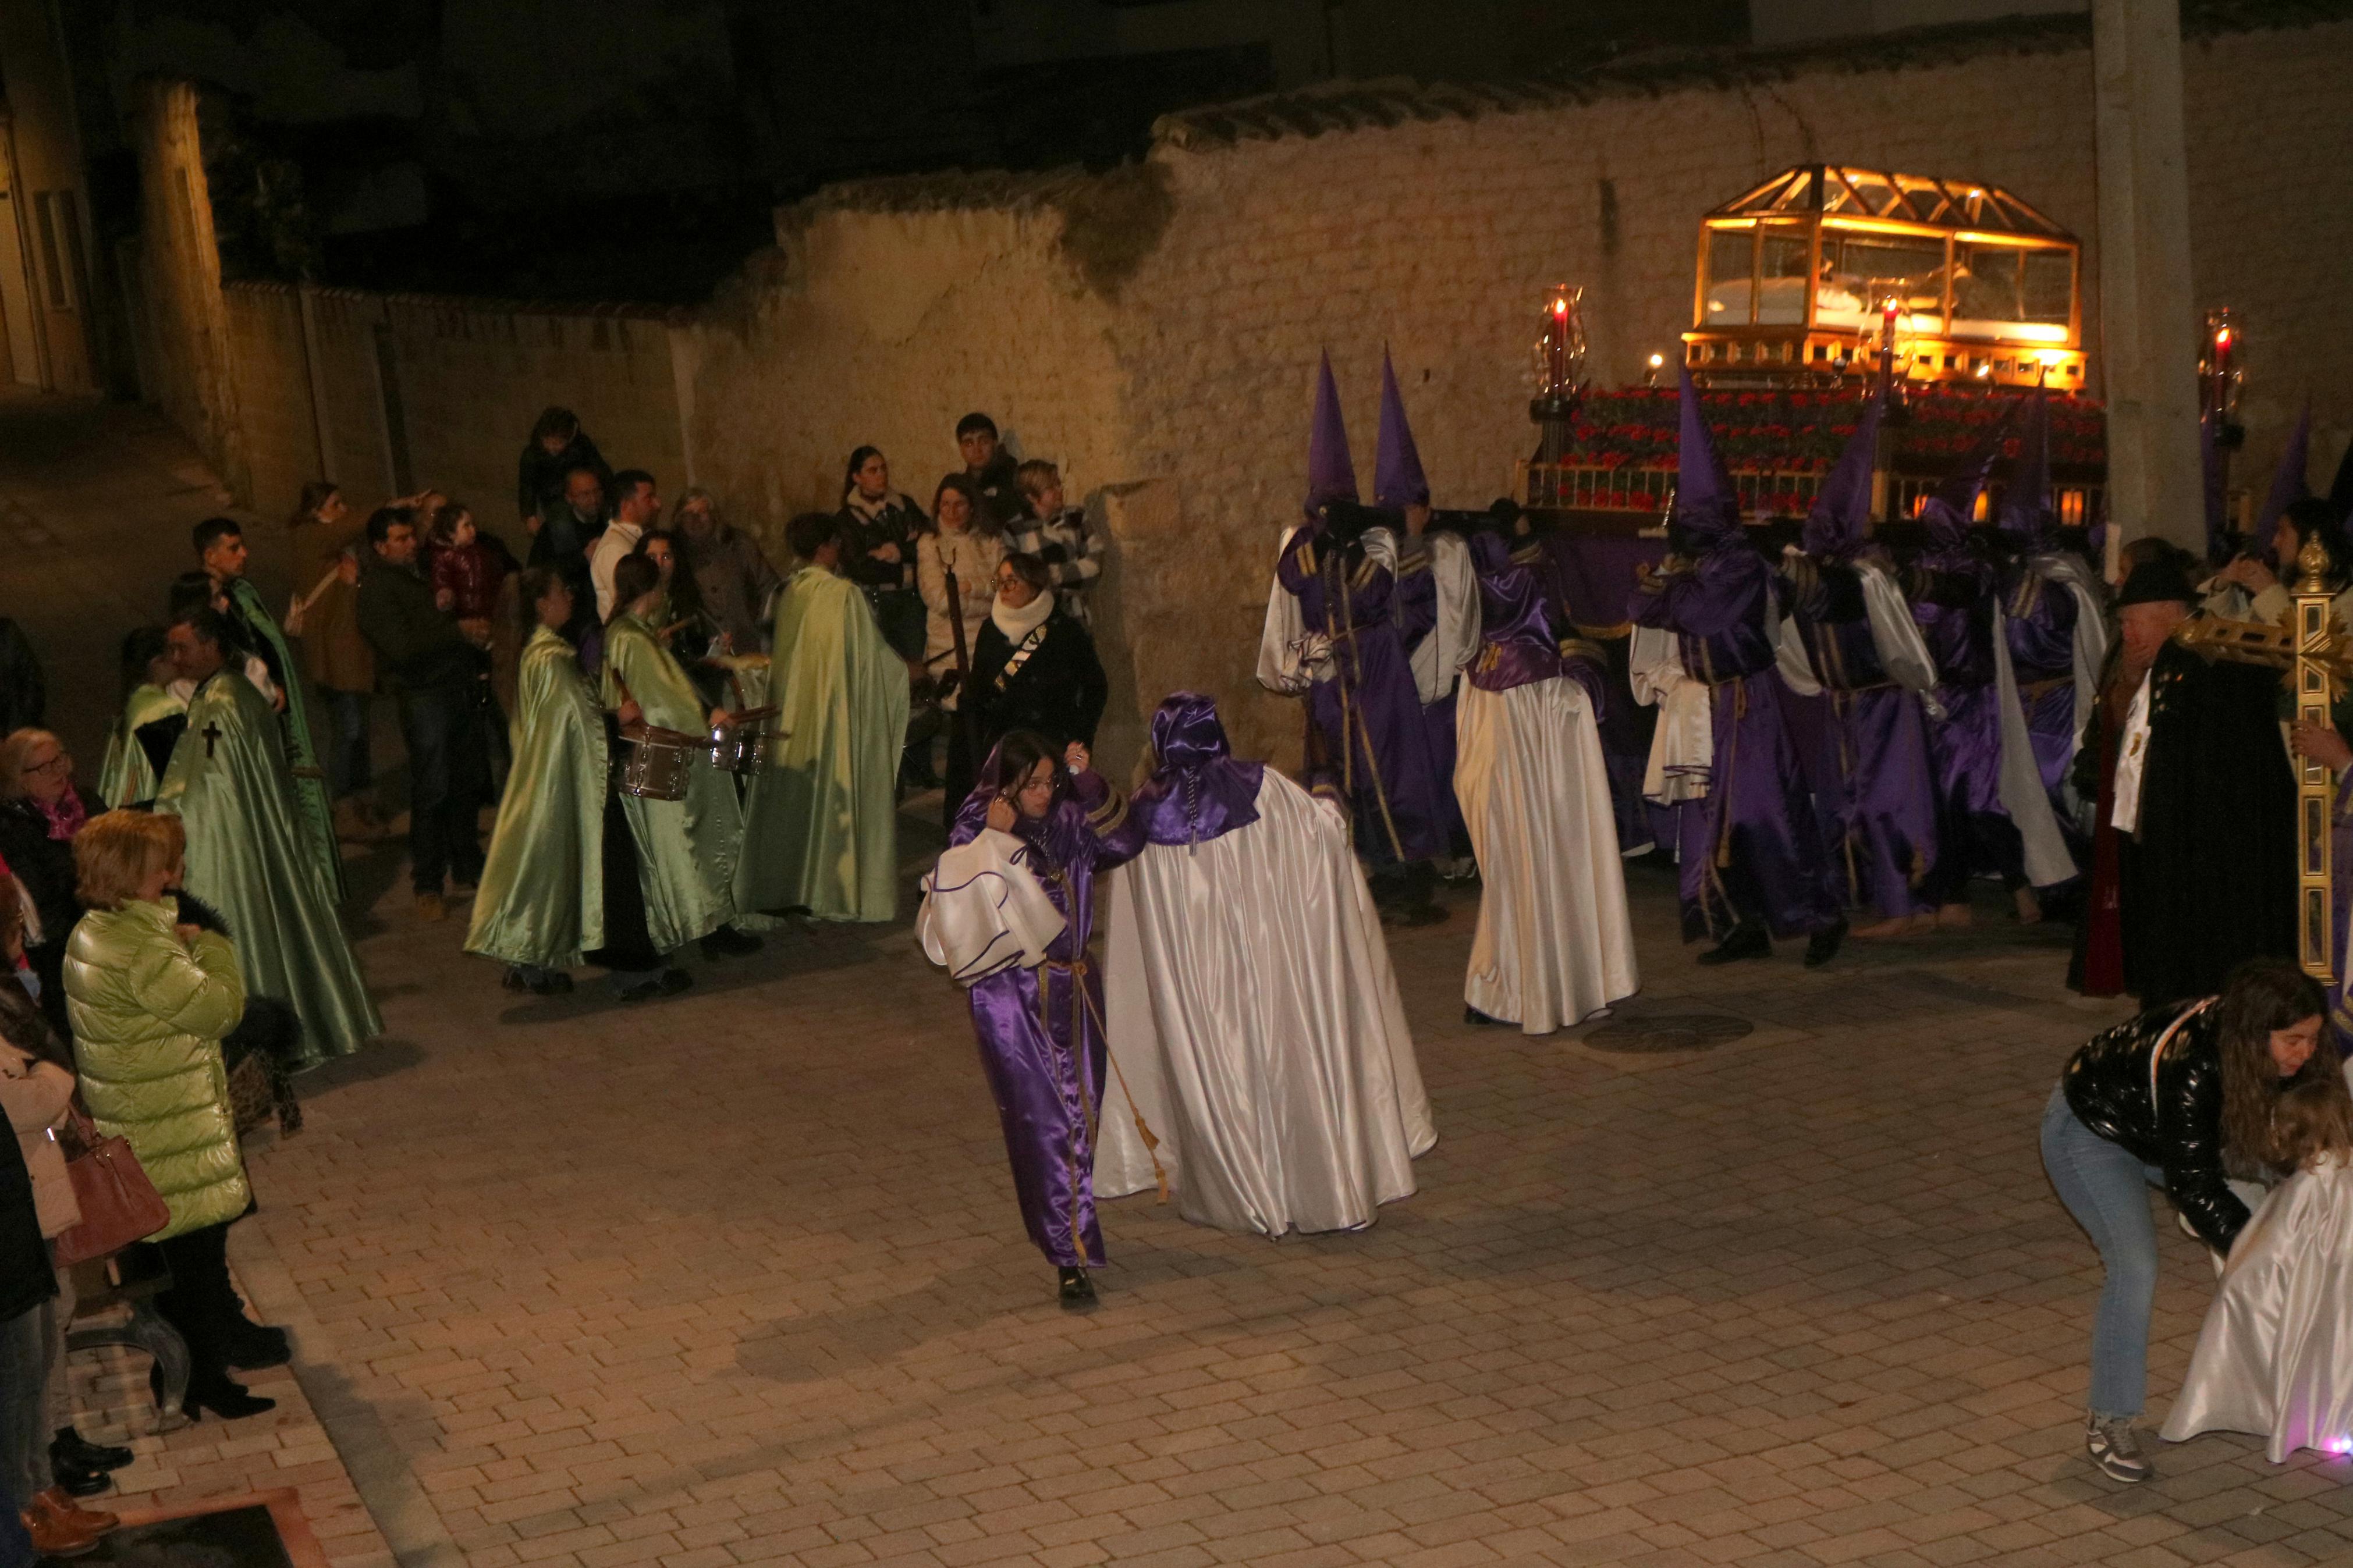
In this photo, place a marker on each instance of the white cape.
(1255, 1028)
(1554, 944)
(983, 911)
(1439, 658)
(2275, 1355)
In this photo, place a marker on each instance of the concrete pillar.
(2148, 329)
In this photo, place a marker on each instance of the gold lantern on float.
(2318, 656)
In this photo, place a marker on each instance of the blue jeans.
(2105, 1187)
(347, 763)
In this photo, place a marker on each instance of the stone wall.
(182, 346)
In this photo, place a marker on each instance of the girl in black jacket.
(2180, 1097)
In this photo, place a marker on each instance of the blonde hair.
(118, 850)
(1036, 477)
(2312, 1119)
(13, 751)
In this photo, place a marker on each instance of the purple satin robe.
(2041, 636)
(1366, 725)
(1879, 815)
(1974, 834)
(1040, 1030)
(1199, 792)
(1520, 628)
(1753, 848)
(1414, 610)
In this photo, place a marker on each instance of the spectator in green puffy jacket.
(150, 998)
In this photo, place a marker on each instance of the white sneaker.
(2115, 1446)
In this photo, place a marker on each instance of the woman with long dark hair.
(2182, 1098)
(881, 527)
(1047, 818)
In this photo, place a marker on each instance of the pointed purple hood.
(1834, 526)
(2287, 481)
(2026, 515)
(1707, 506)
(1397, 469)
(1331, 475)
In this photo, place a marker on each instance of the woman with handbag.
(152, 998)
(36, 1089)
(2182, 1098)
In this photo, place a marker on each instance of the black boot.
(1823, 945)
(252, 1347)
(70, 1445)
(1077, 1290)
(1746, 940)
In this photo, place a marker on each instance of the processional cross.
(2314, 648)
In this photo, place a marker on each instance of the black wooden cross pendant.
(211, 733)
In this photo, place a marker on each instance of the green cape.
(686, 849)
(542, 900)
(821, 821)
(128, 776)
(250, 858)
(310, 796)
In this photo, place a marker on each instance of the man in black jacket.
(557, 446)
(439, 678)
(991, 468)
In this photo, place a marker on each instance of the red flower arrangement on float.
(1799, 432)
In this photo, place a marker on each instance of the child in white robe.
(2275, 1355)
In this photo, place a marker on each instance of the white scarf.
(1018, 624)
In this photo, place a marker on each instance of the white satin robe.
(2275, 1355)
(1255, 1028)
(1555, 945)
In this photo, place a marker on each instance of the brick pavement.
(738, 1278)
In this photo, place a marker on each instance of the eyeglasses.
(55, 765)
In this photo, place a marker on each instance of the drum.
(744, 746)
(656, 766)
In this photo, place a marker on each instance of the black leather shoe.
(1077, 1290)
(1473, 1015)
(554, 983)
(79, 1480)
(729, 943)
(643, 990)
(1823, 945)
(70, 1445)
(674, 981)
(1747, 941)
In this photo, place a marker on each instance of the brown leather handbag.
(118, 1204)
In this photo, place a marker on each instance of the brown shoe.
(60, 1507)
(430, 907)
(52, 1538)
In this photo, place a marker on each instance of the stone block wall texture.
(467, 379)
(1173, 386)
(185, 355)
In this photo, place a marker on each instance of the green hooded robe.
(686, 849)
(542, 900)
(310, 779)
(821, 820)
(250, 858)
(128, 778)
